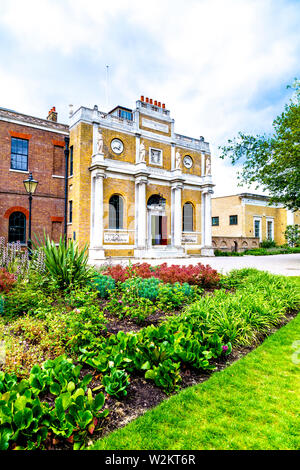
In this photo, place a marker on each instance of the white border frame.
(259, 219)
(161, 153)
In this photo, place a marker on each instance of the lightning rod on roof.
(107, 87)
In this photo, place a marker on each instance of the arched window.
(17, 227)
(187, 219)
(116, 212)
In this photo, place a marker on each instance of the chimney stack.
(52, 115)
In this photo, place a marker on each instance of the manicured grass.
(253, 404)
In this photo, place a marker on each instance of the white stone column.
(207, 202)
(202, 164)
(95, 132)
(173, 156)
(137, 147)
(141, 213)
(98, 210)
(96, 235)
(207, 249)
(177, 216)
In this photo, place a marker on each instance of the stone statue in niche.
(178, 161)
(207, 166)
(142, 153)
(99, 141)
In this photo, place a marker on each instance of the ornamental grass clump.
(66, 263)
(259, 303)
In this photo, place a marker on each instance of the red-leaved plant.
(199, 274)
(7, 280)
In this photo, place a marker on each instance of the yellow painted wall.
(223, 207)
(81, 137)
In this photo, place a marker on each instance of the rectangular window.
(270, 229)
(58, 156)
(19, 154)
(257, 228)
(215, 221)
(70, 211)
(125, 114)
(71, 160)
(233, 220)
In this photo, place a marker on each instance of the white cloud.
(210, 61)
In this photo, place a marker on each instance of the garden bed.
(120, 341)
(144, 395)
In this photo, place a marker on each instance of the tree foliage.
(272, 161)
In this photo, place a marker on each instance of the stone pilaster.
(207, 249)
(141, 180)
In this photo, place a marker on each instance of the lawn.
(252, 404)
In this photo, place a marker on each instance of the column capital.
(176, 185)
(141, 179)
(207, 188)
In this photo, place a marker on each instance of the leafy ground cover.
(252, 404)
(120, 340)
(260, 251)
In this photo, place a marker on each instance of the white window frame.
(270, 219)
(257, 219)
(161, 156)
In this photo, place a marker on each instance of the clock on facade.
(117, 146)
(187, 161)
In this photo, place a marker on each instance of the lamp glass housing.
(30, 184)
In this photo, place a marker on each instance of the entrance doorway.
(158, 230)
(157, 221)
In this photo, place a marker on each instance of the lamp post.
(30, 186)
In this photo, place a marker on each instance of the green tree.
(272, 161)
(292, 234)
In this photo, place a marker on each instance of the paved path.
(288, 265)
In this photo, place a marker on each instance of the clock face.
(117, 146)
(187, 161)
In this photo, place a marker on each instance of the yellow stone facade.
(135, 161)
(253, 216)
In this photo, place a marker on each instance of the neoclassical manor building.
(135, 187)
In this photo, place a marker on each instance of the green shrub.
(1, 304)
(146, 288)
(116, 383)
(166, 375)
(268, 244)
(104, 285)
(26, 421)
(173, 296)
(26, 298)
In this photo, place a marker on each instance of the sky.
(220, 66)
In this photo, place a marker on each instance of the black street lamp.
(30, 186)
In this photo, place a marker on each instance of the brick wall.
(46, 162)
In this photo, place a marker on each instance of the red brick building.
(31, 145)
